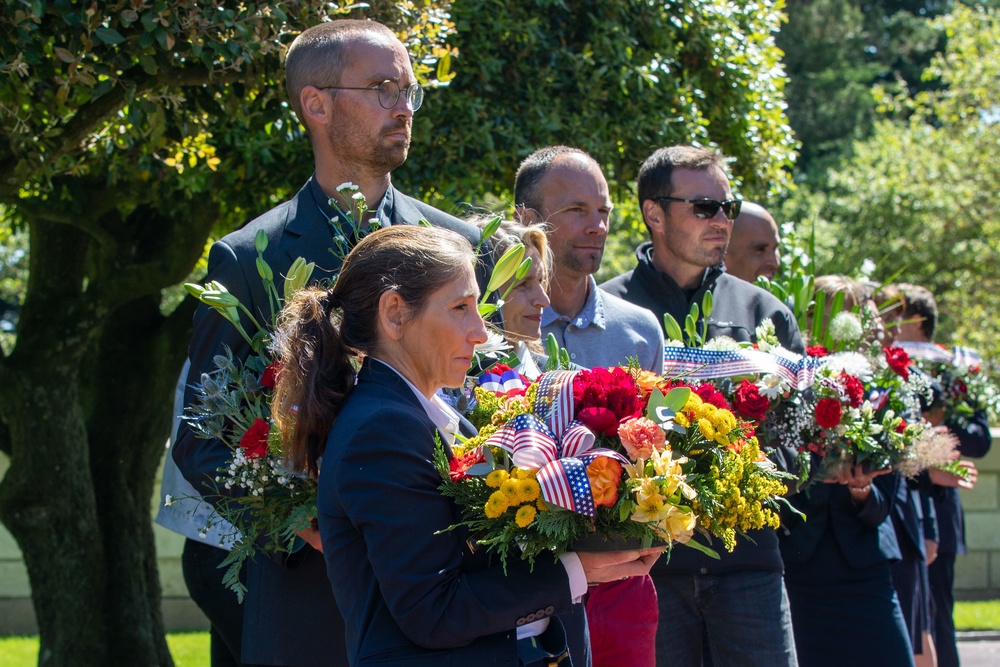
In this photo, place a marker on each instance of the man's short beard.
(387, 161)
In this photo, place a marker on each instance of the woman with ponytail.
(411, 593)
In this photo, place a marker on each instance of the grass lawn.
(984, 615)
(190, 649)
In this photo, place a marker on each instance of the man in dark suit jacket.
(352, 87)
(919, 320)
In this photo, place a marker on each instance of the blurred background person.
(753, 245)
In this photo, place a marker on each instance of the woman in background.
(522, 308)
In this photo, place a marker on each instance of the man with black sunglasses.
(735, 608)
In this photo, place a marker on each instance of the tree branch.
(90, 117)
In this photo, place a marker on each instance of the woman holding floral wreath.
(411, 592)
(837, 557)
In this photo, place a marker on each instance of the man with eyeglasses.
(352, 87)
(735, 608)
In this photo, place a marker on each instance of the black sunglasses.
(705, 209)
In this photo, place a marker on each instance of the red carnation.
(902, 426)
(254, 441)
(458, 465)
(599, 420)
(604, 398)
(960, 388)
(499, 369)
(854, 389)
(270, 376)
(828, 413)
(817, 351)
(898, 360)
(749, 403)
(709, 394)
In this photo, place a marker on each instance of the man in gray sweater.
(564, 188)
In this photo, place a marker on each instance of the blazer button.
(540, 614)
(521, 621)
(550, 610)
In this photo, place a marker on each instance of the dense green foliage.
(129, 131)
(618, 78)
(835, 51)
(919, 195)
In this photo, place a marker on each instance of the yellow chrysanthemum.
(496, 505)
(681, 418)
(509, 489)
(541, 504)
(528, 490)
(525, 515)
(705, 411)
(496, 478)
(706, 428)
(723, 421)
(694, 400)
(521, 473)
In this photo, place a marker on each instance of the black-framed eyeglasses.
(705, 209)
(388, 93)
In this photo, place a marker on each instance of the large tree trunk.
(85, 399)
(137, 361)
(47, 497)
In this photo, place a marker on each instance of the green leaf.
(672, 328)
(661, 407)
(698, 546)
(109, 36)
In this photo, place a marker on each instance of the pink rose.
(641, 436)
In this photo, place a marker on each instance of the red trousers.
(622, 617)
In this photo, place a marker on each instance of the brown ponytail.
(316, 375)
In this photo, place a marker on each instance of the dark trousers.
(203, 577)
(942, 578)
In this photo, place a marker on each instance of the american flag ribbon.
(564, 483)
(559, 448)
(554, 400)
(966, 357)
(927, 351)
(699, 364)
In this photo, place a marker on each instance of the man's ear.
(527, 216)
(392, 314)
(653, 214)
(315, 106)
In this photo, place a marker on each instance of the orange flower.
(641, 437)
(647, 381)
(604, 474)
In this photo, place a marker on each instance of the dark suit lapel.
(307, 234)
(403, 210)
